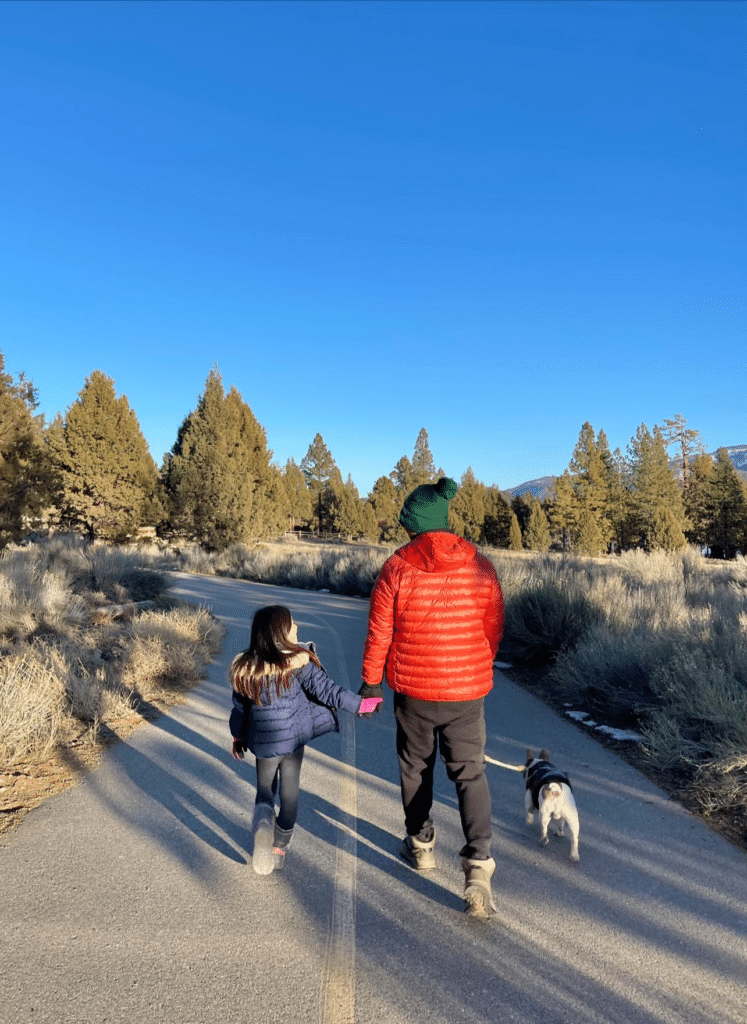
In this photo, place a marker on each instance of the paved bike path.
(131, 897)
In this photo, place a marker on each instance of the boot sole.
(263, 859)
(478, 904)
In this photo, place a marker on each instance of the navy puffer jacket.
(292, 719)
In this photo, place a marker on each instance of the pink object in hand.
(369, 704)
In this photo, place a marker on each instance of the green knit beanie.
(427, 508)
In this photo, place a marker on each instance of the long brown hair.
(264, 669)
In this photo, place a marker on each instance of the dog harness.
(540, 774)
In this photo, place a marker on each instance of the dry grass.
(58, 672)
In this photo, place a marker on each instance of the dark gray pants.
(284, 774)
(457, 730)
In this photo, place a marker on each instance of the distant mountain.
(736, 452)
(539, 488)
(543, 485)
(738, 455)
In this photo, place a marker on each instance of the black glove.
(372, 691)
(238, 749)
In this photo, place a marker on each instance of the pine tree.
(467, 507)
(656, 500)
(101, 459)
(590, 469)
(564, 511)
(521, 505)
(496, 525)
(25, 472)
(538, 529)
(688, 442)
(589, 538)
(698, 500)
(621, 511)
(299, 499)
(728, 528)
(423, 469)
(515, 542)
(318, 467)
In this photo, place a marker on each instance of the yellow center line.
(337, 996)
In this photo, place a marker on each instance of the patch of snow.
(501, 664)
(578, 716)
(620, 734)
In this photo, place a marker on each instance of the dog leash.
(502, 764)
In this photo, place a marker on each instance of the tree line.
(91, 471)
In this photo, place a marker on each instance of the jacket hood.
(297, 661)
(438, 551)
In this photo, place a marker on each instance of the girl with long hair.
(282, 699)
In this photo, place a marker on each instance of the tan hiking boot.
(418, 855)
(478, 897)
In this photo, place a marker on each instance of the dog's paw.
(575, 858)
(544, 840)
(530, 819)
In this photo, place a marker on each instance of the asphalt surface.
(131, 897)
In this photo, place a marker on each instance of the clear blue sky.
(492, 220)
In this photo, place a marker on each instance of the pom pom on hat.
(446, 487)
(427, 508)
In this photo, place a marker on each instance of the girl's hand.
(238, 749)
(369, 704)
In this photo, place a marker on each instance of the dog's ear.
(530, 755)
(544, 755)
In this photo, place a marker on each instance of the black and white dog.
(549, 792)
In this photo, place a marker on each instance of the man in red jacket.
(434, 626)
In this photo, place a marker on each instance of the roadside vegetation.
(88, 637)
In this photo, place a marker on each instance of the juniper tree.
(369, 523)
(25, 476)
(106, 476)
(346, 512)
(468, 506)
(275, 507)
(218, 477)
(656, 500)
(515, 541)
(387, 505)
(299, 499)
(318, 467)
(402, 476)
(496, 525)
(537, 537)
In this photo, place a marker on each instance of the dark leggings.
(283, 773)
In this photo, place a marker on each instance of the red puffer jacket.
(435, 621)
